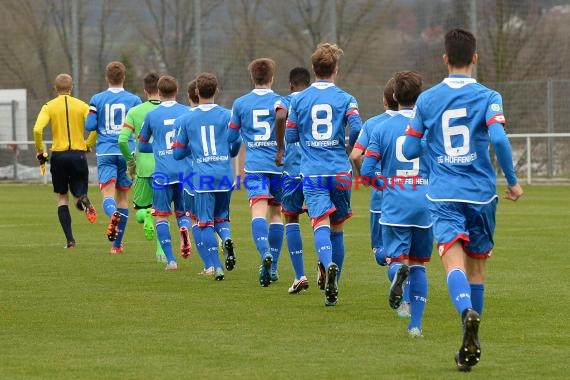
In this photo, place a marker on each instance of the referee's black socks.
(65, 221)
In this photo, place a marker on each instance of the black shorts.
(69, 172)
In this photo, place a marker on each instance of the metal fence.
(538, 157)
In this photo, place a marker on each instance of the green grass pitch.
(84, 314)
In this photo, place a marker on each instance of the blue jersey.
(253, 115)
(292, 157)
(362, 143)
(319, 116)
(204, 132)
(159, 124)
(107, 112)
(404, 202)
(454, 116)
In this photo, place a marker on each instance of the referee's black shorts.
(69, 172)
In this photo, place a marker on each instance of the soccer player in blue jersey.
(107, 112)
(189, 204)
(253, 116)
(292, 192)
(159, 124)
(406, 222)
(317, 120)
(459, 118)
(357, 154)
(203, 134)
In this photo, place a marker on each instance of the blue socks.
(109, 206)
(295, 246)
(337, 244)
(259, 231)
(163, 235)
(183, 221)
(122, 225)
(201, 247)
(323, 245)
(393, 269)
(211, 245)
(459, 290)
(418, 288)
(477, 297)
(275, 238)
(223, 230)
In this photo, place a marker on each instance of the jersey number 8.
(325, 109)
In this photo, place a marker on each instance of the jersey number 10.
(114, 116)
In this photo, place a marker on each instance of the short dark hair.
(300, 76)
(325, 59)
(460, 46)
(261, 70)
(207, 84)
(407, 87)
(389, 95)
(167, 86)
(150, 82)
(191, 90)
(115, 73)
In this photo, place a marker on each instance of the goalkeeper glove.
(42, 157)
(132, 168)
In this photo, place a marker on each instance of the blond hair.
(325, 59)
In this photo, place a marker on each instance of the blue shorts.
(263, 186)
(375, 230)
(163, 197)
(189, 202)
(113, 169)
(292, 198)
(412, 243)
(327, 196)
(472, 223)
(212, 207)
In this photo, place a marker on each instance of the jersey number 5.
(456, 130)
(259, 124)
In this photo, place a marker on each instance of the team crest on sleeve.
(353, 105)
(496, 107)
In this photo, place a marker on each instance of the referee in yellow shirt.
(69, 170)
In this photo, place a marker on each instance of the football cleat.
(171, 266)
(265, 270)
(85, 204)
(148, 225)
(274, 275)
(113, 227)
(70, 245)
(397, 286)
(470, 351)
(207, 271)
(185, 247)
(219, 274)
(299, 285)
(415, 332)
(403, 311)
(331, 285)
(228, 249)
(116, 250)
(321, 275)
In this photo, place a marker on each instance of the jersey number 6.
(449, 131)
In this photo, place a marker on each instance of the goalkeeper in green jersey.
(141, 165)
